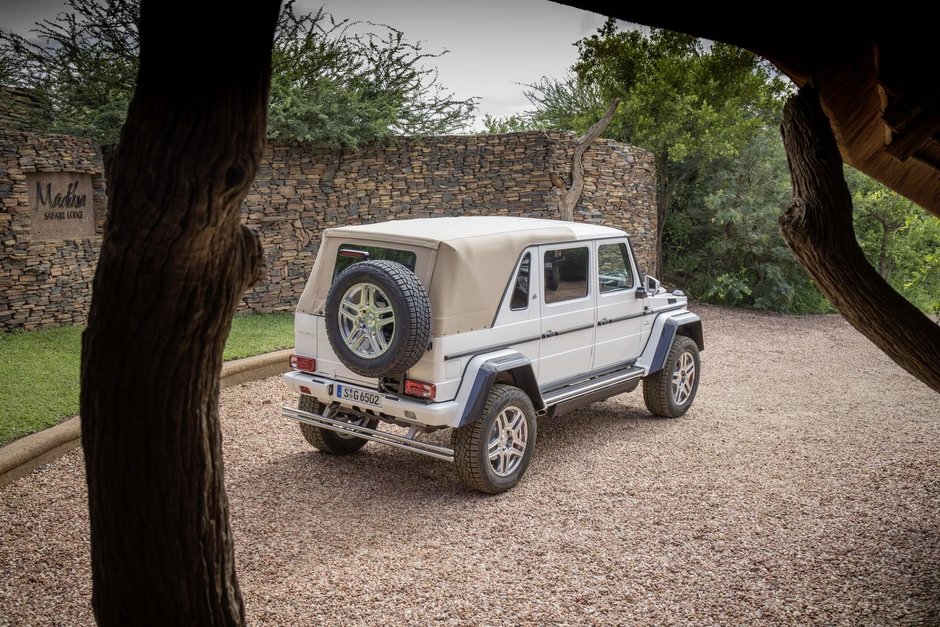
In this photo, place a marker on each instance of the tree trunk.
(818, 227)
(174, 263)
(662, 206)
(569, 199)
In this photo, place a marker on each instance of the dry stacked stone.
(302, 189)
(18, 108)
(45, 283)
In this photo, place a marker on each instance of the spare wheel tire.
(378, 318)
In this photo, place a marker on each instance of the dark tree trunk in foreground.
(818, 227)
(174, 263)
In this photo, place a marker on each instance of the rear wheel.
(332, 442)
(492, 453)
(670, 392)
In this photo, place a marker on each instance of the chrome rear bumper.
(408, 411)
(409, 442)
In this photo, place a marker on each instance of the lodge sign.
(61, 205)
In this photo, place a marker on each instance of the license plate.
(356, 396)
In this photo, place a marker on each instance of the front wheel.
(492, 453)
(670, 392)
(332, 442)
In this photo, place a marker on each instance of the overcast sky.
(494, 44)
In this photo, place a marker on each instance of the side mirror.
(641, 293)
(651, 284)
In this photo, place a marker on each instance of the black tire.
(405, 339)
(471, 442)
(658, 393)
(327, 441)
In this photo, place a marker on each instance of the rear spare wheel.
(378, 318)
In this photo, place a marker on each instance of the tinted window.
(353, 253)
(520, 293)
(566, 273)
(613, 267)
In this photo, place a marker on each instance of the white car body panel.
(584, 342)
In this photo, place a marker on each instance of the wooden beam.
(914, 132)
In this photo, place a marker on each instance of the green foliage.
(336, 85)
(509, 124)
(724, 244)
(709, 116)
(729, 289)
(82, 66)
(687, 104)
(333, 82)
(39, 370)
(900, 240)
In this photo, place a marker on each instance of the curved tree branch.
(573, 193)
(818, 227)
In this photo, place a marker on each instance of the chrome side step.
(571, 392)
(409, 443)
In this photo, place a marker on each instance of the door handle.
(603, 321)
(549, 334)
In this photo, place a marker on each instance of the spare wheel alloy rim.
(366, 320)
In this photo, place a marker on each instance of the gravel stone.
(801, 488)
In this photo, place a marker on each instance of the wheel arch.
(683, 323)
(693, 331)
(506, 367)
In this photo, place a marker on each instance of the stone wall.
(300, 190)
(45, 283)
(18, 108)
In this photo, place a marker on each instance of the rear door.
(619, 312)
(567, 308)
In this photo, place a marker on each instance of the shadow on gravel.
(378, 476)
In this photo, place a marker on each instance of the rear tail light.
(420, 389)
(307, 364)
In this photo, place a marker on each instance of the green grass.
(254, 334)
(38, 379)
(39, 370)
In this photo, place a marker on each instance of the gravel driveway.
(802, 488)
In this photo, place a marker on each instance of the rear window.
(353, 253)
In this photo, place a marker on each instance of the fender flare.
(487, 369)
(681, 323)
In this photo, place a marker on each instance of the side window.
(520, 292)
(613, 267)
(566, 273)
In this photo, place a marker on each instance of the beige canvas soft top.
(465, 263)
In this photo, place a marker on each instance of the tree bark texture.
(174, 263)
(569, 199)
(818, 227)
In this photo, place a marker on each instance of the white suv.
(480, 325)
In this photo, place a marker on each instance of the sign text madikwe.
(61, 205)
